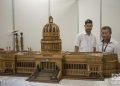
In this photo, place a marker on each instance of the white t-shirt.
(112, 46)
(85, 42)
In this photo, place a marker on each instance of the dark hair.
(107, 28)
(88, 21)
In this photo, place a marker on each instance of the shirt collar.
(87, 34)
(111, 40)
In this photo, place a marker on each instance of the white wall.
(90, 10)
(111, 16)
(5, 23)
(32, 15)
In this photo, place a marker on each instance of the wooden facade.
(67, 65)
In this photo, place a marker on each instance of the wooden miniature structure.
(51, 65)
(51, 42)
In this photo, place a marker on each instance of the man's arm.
(77, 43)
(117, 48)
(76, 49)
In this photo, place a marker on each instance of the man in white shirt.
(86, 42)
(107, 44)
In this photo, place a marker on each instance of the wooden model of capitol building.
(51, 42)
(51, 65)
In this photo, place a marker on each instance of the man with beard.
(86, 42)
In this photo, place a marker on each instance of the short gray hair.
(107, 28)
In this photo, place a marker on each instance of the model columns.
(19, 44)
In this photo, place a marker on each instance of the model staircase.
(44, 76)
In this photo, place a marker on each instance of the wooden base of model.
(52, 68)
